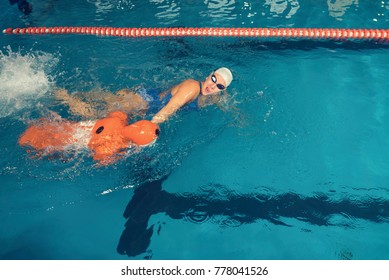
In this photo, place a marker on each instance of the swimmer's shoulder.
(191, 83)
(187, 86)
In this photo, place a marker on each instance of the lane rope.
(304, 33)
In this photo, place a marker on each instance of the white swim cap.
(226, 74)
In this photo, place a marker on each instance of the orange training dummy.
(107, 138)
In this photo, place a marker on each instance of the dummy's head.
(142, 133)
(218, 80)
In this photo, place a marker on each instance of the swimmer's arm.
(216, 99)
(205, 101)
(225, 104)
(174, 104)
(76, 105)
(183, 93)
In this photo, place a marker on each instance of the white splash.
(24, 78)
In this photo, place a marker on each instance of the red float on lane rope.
(307, 33)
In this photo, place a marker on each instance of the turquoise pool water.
(295, 168)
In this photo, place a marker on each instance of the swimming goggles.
(219, 86)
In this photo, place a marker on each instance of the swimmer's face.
(213, 84)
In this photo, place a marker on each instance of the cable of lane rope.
(304, 33)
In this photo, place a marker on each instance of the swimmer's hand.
(62, 94)
(158, 119)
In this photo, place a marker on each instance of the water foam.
(24, 78)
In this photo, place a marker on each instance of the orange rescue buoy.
(107, 139)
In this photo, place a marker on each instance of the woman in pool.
(190, 93)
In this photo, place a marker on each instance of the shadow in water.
(150, 199)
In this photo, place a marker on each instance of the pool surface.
(295, 166)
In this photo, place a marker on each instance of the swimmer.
(189, 93)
